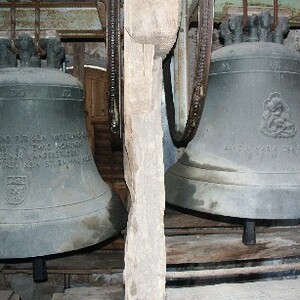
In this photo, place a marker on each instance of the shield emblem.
(16, 189)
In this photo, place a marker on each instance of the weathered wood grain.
(176, 218)
(189, 219)
(284, 242)
(100, 262)
(215, 245)
(263, 290)
(144, 45)
(78, 61)
(8, 295)
(91, 293)
(234, 272)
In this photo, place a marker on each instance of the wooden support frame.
(150, 31)
(70, 20)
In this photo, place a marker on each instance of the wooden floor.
(201, 251)
(272, 290)
(91, 293)
(288, 289)
(8, 295)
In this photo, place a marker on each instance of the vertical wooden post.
(78, 60)
(150, 31)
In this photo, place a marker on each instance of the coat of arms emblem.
(15, 189)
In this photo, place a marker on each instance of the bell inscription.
(277, 119)
(42, 150)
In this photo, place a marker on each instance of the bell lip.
(247, 201)
(64, 236)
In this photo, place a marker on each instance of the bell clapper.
(39, 269)
(249, 235)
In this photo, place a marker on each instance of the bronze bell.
(53, 199)
(244, 160)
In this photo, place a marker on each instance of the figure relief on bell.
(277, 119)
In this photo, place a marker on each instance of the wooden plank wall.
(108, 160)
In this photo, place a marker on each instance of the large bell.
(245, 158)
(52, 197)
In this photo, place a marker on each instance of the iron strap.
(205, 31)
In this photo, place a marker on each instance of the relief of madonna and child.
(277, 119)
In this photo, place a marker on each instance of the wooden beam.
(45, 4)
(145, 248)
(78, 61)
(232, 272)
(150, 31)
(275, 290)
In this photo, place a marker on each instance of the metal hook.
(13, 26)
(275, 20)
(245, 13)
(37, 25)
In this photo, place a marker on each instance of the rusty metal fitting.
(275, 19)
(275, 14)
(245, 14)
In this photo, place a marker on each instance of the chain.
(113, 67)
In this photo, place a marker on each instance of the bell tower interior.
(149, 149)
